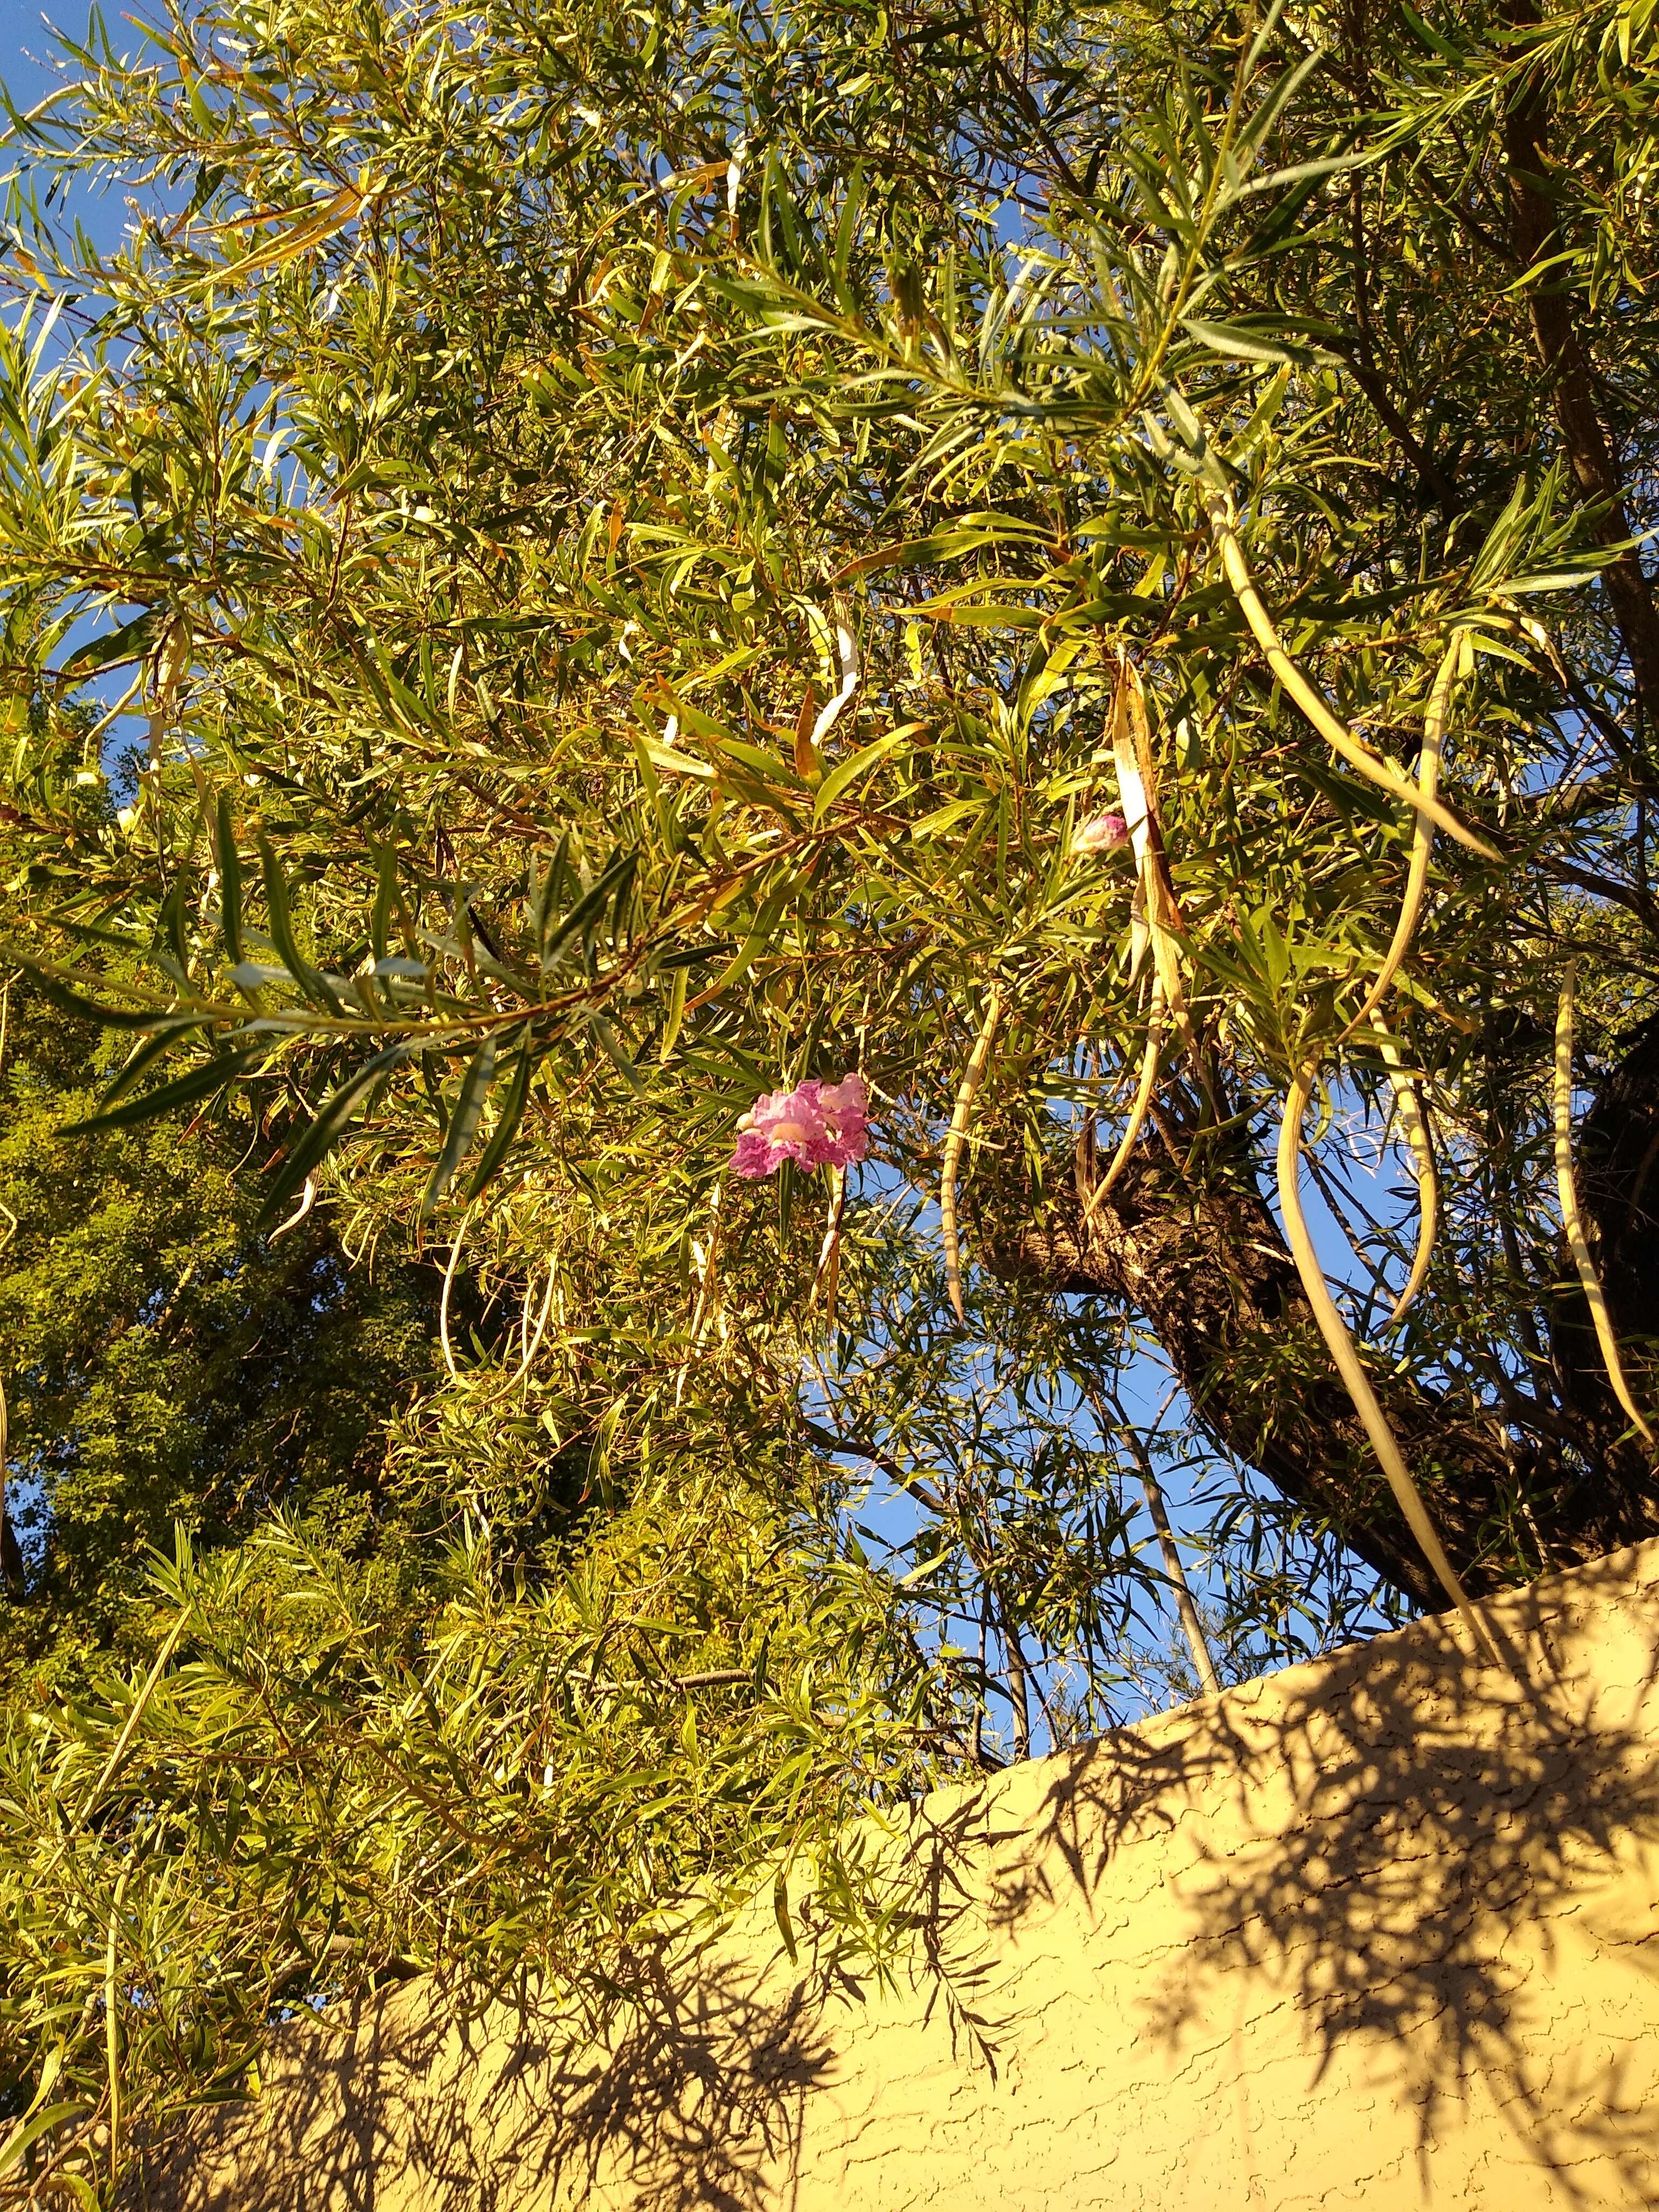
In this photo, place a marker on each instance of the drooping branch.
(1199, 1255)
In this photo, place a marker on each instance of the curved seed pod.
(1134, 805)
(307, 1199)
(449, 1285)
(955, 1137)
(1336, 733)
(529, 1344)
(1155, 915)
(1339, 1344)
(827, 1278)
(1573, 1220)
(168, 667)
(1417, 876)
(1413, 1120)
(1143, 1099)
(847, 670)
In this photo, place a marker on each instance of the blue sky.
(26, 50)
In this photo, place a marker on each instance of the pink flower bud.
(1101, 833)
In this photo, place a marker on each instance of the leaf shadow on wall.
(1427, 1860)
(1390, 1879)
(420, 2098)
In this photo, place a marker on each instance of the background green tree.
(165, 1362)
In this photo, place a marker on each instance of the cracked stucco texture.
(1381, 1930)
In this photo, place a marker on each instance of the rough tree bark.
(1199, 1255)
(11, 1555)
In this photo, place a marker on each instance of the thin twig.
(1192, 1624)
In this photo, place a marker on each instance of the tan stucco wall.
(1379, 1931)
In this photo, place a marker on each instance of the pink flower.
(817, 1124)
(1101, 833)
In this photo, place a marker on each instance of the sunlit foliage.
(633, 541)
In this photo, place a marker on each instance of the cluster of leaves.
(636, 537)
(164, 1363)
(536, 1777)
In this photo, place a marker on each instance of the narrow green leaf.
(506, 1127)
(30, 2130)
(587, 909)
(315, 987)
(143, 1057)
(611, 1045)
(184, 1090)
(674, 1016)
(1237, 343)
(749, 950)
(780, 1914)
(129, 642)
(71, 1002)
(1431, 37)
(848, 772)
(463, 1122)
(385, 892)
(327, 1131)
(230, 885)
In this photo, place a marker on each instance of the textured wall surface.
(1379, 1931)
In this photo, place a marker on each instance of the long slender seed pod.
(973, 1075)
(1417, 876)
(1572, 1219)
(1143, 1099)
(112, 2026)
(1155, 916)
(1413, 1120)
(846, 667)
(1372, 766)
(827, 1276)
(1135, 803)
(135, 1712)
(307, 1199)
(531, 1344)
(1339, 1344)
(449, 1285)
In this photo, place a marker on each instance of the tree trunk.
(1199, 1255)
(1534, 238)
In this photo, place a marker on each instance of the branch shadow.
(690, 2095)
(1421, 1855)
(1408, 1868)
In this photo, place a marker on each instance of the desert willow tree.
(1080, 566)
